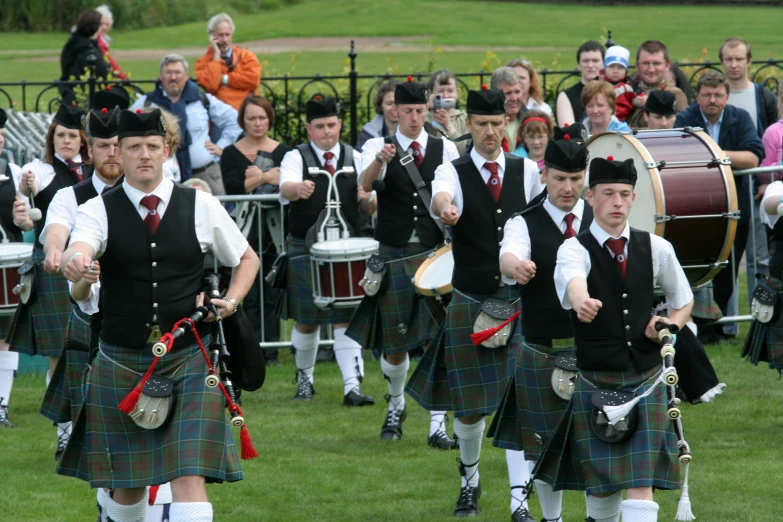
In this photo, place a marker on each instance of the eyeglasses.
(710, 96)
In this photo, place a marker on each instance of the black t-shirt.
(233, 165)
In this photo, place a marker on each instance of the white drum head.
(623, 147)
(343, 247)
(436, 272)
(15, 252)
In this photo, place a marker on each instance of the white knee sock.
(48, 379)
(551, 501)
(693, 327)
(518, 478)
(306, 350)
(102, 495)
(604, 509)
(191, 511)
(9, 363)
(640, 511)
(470, 437)
(63, 428)
(437, 422)
(348, 354)
(119, 513)
(396, 376)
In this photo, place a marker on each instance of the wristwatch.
(233, 302)
(379, 158)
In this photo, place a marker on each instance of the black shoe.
(440, 440)
(4, 422)
(356, 398)
(305, 390)
(325, 355)
(467, 503)
(273, 361)
(392, 426)
(522, 515)
(62, 442)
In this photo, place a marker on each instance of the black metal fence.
(289, 94)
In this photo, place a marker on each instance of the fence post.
(354, 95)
(91, 61)
(609, 41)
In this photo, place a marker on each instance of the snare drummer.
(475, 195)
(407, 236)
(532, 409)
(13, 221)
(306, 197)
(606, 276)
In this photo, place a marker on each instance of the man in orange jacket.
(227, 71)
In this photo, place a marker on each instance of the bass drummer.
(14, 220)
(306, 197)
(401, 167)
(532, 408)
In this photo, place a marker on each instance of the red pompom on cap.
(410, 79)
(484, 87)
(567, 137)
(139, 111)
(318, 98)
(104, 111)
(73, 104)
(566, 125)
(610, 158)
(108, 88)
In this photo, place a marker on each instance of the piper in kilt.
(765, 339)
(306, 197)
(475, 195)
(395, 321)
(606, 276)
(151, 236)
(531, 408)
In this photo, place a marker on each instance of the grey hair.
(105, 12)
(218, 19)
(505, 75)
(197, 183)
(174, 58)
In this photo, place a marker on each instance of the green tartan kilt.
(530, 410)
(764, 342)
(575, 459)
(395, 320)
(196, 440)
(5, 325)
(704, 305)
(299, 290)
(40, 328)
(65, 394)
(457, 376)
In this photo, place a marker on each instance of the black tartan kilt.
(455, 375)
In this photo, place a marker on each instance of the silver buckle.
(406, 159)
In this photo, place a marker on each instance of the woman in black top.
(73, 59)
(252, 166)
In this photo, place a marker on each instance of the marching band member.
(151, 236)
(40, 326)
(605, 276)
(532, 408)
(306, 197)
(475, 195)
(407, 236)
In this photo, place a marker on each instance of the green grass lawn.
(321, 461)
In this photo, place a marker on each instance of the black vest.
(615, 339)
(479, 231)
(776, 245)
(303, 213)
(7, 199)
(400, 207)
(84, 191)
(574, 95)
(145, 276)
(63, 177)
(544, 317)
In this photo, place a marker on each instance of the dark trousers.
(724, 281)
(252, 305)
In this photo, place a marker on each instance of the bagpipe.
(247, 361)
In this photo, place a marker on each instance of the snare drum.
(337, 267)
(12, 256)
(685, 193)
(433, 281)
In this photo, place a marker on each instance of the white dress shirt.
(221, 114)
(447, 180)
(516, 236)
(573, 260)
(16, 175)
(90, 305)
(374, 146)
(292, 166)
(62, 209)
(44, 173)
(215, 229)
(775, 191)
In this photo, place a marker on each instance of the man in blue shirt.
(733, 129)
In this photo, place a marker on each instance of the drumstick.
(34, 213)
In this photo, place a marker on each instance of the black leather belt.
(202, 169)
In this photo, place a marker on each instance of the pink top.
(773, 150)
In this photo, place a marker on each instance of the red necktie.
(493, 183)
(76, 168)
(418, 154)
(570, 232)
(617, 246)
(153, 218)
(328, 167)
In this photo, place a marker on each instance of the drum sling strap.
(312, 162)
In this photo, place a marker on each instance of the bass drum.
(685, 193)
